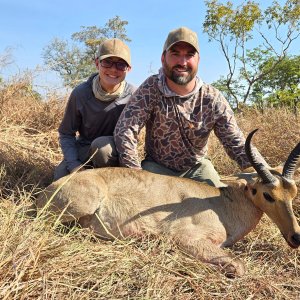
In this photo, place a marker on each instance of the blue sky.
(28, 26)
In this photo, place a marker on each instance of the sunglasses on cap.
(108, 63)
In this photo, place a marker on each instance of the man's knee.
(153, 167)
(205, 172)
(60, 171)
(103, 152)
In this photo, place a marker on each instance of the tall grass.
(45, 260)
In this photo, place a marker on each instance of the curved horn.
(259, 167)
(291, 162)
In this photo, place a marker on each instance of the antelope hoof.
(234, 269)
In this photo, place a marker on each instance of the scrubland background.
(39, 260)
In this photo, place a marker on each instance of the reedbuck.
(121, 202)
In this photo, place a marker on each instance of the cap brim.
(179, 42)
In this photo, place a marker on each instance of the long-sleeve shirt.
(89, 118)
(177, 127)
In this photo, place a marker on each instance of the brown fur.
(120, 202)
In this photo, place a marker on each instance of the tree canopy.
(281, 87)
(73, 61)
(254, 43)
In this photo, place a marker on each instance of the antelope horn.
(259, 167)
(290, 164)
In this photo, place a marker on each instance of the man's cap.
(182, 34)
(114, 47)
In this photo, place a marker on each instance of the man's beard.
(179, 79)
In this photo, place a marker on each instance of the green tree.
(236, 29)
(235, 88)
(281, 87)
(73, 61)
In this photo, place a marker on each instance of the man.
(93, 110)
(179, 112)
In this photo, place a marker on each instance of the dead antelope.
(121, 202)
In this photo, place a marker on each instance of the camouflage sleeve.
(230, 135)
(131, 121)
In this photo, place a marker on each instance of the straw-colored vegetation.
(45, 260)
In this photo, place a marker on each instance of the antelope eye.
(268, 197)
(254, 192)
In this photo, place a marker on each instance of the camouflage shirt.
(177, 127)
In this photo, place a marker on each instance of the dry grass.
(28, 136)
(42, 260)
(279, 132)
